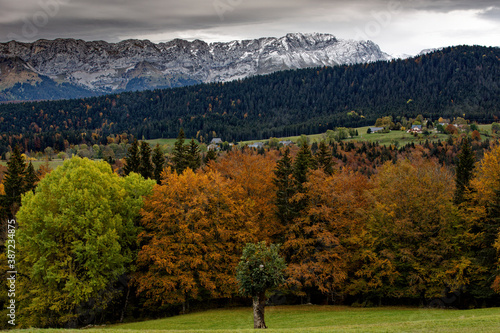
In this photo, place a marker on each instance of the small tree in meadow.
(261, 269)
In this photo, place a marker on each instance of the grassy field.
(169, 142)
(322, 319)
(402, 138)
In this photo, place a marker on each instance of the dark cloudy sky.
(398, 26)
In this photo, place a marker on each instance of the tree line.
(95, 246)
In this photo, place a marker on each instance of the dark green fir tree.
(301, 167)
(285, 188)
(133, 159)
(193, 155)
(31, 178)
(464, 171)
(158, 162)
(14, 183)
(211, 156)
(323, 159)
(146, 168)
(179, 158)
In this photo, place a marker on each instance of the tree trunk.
(259, 302)
(125, 306)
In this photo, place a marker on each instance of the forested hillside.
(457, 81)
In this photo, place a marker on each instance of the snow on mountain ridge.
(105, 67)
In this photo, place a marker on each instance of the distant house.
(216, 141)
(376, 129)
(286, 143)
(415, 129)
(212, 147)
(256, 145)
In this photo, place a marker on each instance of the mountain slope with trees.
(456, 81)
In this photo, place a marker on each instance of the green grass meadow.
(314, 318)
(161, 142)
(401, 137)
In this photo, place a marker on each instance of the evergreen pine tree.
(133, 159)
(31, 178)
(303, 162)
(146, 168)
(211, 156)
(301, 166)
(179, 159)
(14, 183)
(158, 162)
(464, 170)
(193, 155)
(285, 188)
(323, 159)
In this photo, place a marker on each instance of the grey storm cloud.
(112, 18)
(160, 20)
(449, 5)
(492, 13)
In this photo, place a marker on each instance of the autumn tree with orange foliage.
(254, 174)
(320, 243)
(194, 231)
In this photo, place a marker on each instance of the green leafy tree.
(495, 128)
(76, 236)
(341, 133)
(146, 168)
(261, 269)
(158, 162)
(133, 159)
(303, 140)
(464, 171)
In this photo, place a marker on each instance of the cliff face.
(102, 67)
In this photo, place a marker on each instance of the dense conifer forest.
(454, 82)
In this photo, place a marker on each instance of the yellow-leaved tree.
(481, 211)
(415, 227)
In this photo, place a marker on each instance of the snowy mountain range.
(75, 68)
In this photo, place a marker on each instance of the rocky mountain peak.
(141, 64)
